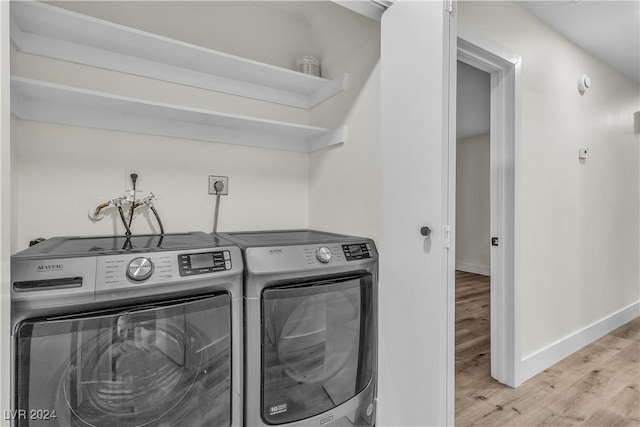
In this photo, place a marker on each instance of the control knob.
(323, 254)
(140, 269)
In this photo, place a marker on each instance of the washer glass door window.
(317, 346)
(167, 364)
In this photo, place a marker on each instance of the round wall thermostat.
(584, 82)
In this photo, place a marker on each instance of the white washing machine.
(127, 331)
(310, 328)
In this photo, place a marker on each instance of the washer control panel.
(140, 269)
(357, 251)
(323, 254)
(203, 262)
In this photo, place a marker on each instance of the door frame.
(504, 67)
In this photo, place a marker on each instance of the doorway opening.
(473, 233)
(503, 68)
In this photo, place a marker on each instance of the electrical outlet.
(225, 185)
(128, 183)
(583, 153)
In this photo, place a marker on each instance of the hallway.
(596, 386)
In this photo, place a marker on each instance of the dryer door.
(164, 364)
(318, 346)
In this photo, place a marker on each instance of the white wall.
(5, 210)
(83, 167)
(269, 189)
(63, 171)
(473, 210)
(578, 221)
(472, 101)
(473, 207)
(273, 32)
(343, 182)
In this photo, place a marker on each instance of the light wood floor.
(596, 386)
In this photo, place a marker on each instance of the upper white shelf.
(54, 103)
(50, 31)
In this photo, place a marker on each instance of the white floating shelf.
(50, 31)
(53, 103)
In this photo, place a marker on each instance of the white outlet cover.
(213, 179)
(583, 153)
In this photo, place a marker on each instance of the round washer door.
(162, 364)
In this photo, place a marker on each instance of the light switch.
(583, 153)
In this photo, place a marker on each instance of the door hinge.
(448, 6)
(494, 241)
(446, 236)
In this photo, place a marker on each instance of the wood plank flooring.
(596, 386)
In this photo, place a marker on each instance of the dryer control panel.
(357, 251)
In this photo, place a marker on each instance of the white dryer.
(310, 328)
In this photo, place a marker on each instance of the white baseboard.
(535, 363)
(471, 268)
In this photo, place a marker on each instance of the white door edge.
(418, 53)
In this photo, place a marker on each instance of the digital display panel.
(201, 260)
(355, 250)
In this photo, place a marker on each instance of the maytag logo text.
(50, 267)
